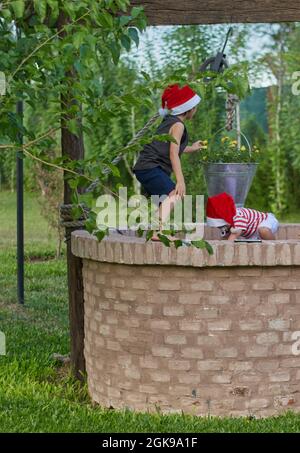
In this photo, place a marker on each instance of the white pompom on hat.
(163, 112)
(176, 100)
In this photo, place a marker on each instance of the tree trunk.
(73, 147)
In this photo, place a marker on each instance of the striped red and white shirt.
(247, 220)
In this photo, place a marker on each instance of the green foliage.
(203, 245)
(38, 63)
(283, 107)
(112, 98)
(18, 7)
(226, 150)
(235, 80)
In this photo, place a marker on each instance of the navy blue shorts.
(155, 181)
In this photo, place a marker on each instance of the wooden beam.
(176, 12)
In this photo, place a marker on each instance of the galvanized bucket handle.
(246, 139)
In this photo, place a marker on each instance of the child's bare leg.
(165, 209)
(266, 234)
(167, 206)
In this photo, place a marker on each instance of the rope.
(67, 221)
(232, 100)
(117, 159)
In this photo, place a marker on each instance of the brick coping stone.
(181, 331)
(118, 248)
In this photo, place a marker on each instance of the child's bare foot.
(156, 238)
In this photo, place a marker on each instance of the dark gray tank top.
(157, 154)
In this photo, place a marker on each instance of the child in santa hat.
(159, 159)
(236, 222)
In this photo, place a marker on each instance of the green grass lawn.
(37, 394)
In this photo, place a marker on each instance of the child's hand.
(235, 235)
(180, 189)
(199, 145)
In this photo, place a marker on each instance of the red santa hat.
(176, 100)
(220, 210)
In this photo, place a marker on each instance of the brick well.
(179, 330)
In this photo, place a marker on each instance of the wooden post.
(73, 147)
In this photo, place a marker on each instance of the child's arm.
(195, 147)
(235, 235)
(177, 131)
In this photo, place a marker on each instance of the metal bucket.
(235, 179)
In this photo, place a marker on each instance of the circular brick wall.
(203, 339)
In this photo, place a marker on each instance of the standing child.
(158, 159)
(222, 213)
